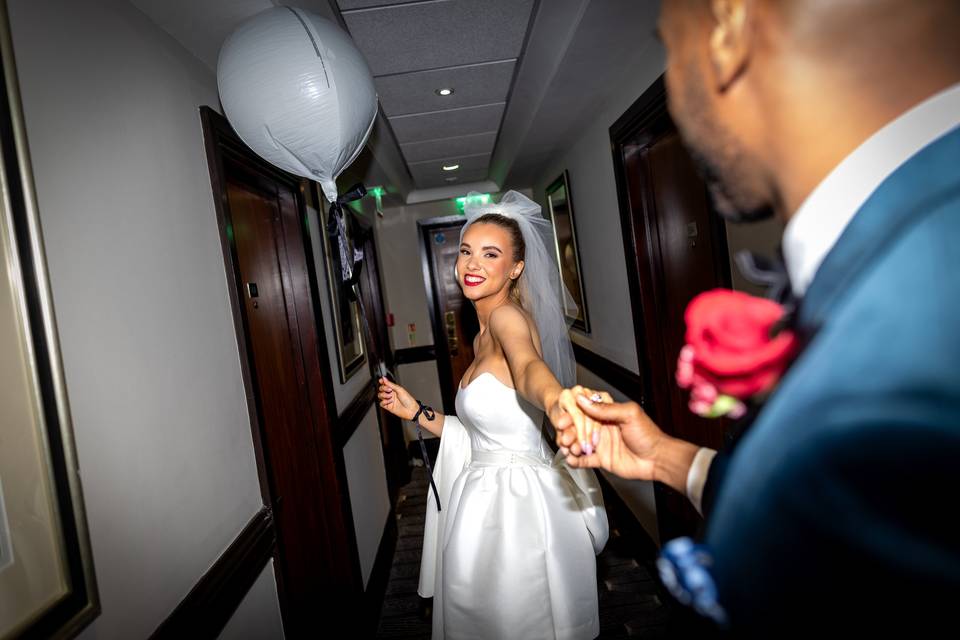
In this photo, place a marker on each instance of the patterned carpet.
(632, 603)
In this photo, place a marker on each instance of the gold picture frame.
(47, 584)
(560, 209)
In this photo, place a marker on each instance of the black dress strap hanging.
(430, 415)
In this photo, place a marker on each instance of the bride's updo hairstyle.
(539, 289)
(516, 239)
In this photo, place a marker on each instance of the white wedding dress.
(511, 554)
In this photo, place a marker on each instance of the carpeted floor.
(632, 603)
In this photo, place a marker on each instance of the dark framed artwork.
(344, 309)
(560, 208)
(47, 583)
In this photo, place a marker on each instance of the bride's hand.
(575, 430)
(580, 438)
(397, 400)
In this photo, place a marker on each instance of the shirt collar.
(821, 219)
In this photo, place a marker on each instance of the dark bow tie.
(771, 273)
(767, 272)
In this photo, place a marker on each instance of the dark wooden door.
(675, 248)
(453, 317)
(286, 372)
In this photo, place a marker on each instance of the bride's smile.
(488, 263)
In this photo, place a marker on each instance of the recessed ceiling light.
(451, 167)
(446, 91)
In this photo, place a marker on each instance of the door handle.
(253, 293)
(450, 321)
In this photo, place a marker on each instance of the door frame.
(220, 141)
(442, 351)
(644, 260)
(648, 116)
(391, 427)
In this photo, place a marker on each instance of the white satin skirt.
(512, 554)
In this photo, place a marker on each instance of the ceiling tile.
(363, 4)
(471, 168)
(430, 181)
(447, 124)
(434, 35)
(449, 147)
(472, 85)
(467, 163)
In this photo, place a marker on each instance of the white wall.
(589, 162)
(405, 293)
(258, 616)
(149, 349)
(367, 483)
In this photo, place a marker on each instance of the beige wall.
(405, 295)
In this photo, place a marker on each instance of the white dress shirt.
(821, 219)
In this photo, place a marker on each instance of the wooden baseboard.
(213, 600)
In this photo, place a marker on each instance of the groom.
(836, 508)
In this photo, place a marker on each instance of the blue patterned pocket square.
(685, 570)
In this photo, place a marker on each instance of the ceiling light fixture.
(444, 92)
(451, 167)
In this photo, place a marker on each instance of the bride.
(510, 552)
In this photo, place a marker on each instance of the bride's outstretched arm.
(532, 376)
(400, 403)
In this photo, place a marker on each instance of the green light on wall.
(479, 198)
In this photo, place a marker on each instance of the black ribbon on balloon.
(351, 264)
(339, 221)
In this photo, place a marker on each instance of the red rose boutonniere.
(733, 354)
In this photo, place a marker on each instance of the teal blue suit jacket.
(840, 499)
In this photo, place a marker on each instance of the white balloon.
(298, 92)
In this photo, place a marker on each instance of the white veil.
(542, 293)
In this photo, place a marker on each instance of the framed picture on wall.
(346, 312)
(560, 208)
(47, 583)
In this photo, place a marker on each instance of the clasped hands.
(594, 431)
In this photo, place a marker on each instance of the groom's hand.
(632, 446)
(628, 441)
